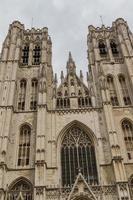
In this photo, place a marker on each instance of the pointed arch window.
(112, 91)
(127, 128)
(24, 146)
(124, 90)
(78, 153)
(22, 94)
(34, 87)
(102, 48)
(25, 54)
(36, 55)
(21, 190)
(131, 186)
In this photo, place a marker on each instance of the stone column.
(109, 50)
(30, 53)
(40, 162)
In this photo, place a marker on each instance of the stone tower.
(68, 140)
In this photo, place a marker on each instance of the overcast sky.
(67, 21)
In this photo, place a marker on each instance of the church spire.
(71, 67)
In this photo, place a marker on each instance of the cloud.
(67, 22)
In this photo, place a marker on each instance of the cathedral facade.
(72, 140)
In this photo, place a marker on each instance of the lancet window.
(78, 153)
(33, 102)
(36, 55)
(24, 146)
(22, 95)
(62, 103)
(21, 190)
(112, 90)
(124, 90)
(127, 128)
(25, 54)
(84, 102)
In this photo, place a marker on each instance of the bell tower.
(110, 60)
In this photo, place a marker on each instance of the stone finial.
(81, 75)
(62, 77)
(55, 79)
(87, 76)
(70, 59)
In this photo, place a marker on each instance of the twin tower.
(73, 140)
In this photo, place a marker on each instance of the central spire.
(71, 67)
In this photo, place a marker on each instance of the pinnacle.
(70, 59)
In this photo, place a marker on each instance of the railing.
(100, 192)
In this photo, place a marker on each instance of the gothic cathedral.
(67, 140)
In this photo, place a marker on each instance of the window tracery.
(127, 128)
(131, 186)
(24, 146)
(124, 90)
(22, 94)
(78, 153)
(21, 190)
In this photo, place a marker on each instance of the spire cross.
(101, 17)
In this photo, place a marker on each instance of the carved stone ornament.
(39, 190)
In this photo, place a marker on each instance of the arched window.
(24, 146)
(33, 102)
(78, 153)
(112, 90)
(21, 190)
(22, 95)
(114, 47)
(127, 128)
(131, 186)
(124, 90)
(102, 48)
(36, 55)
(25, 54)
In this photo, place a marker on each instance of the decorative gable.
(81, 190)
(72, 86)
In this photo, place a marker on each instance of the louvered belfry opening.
(78, 153)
